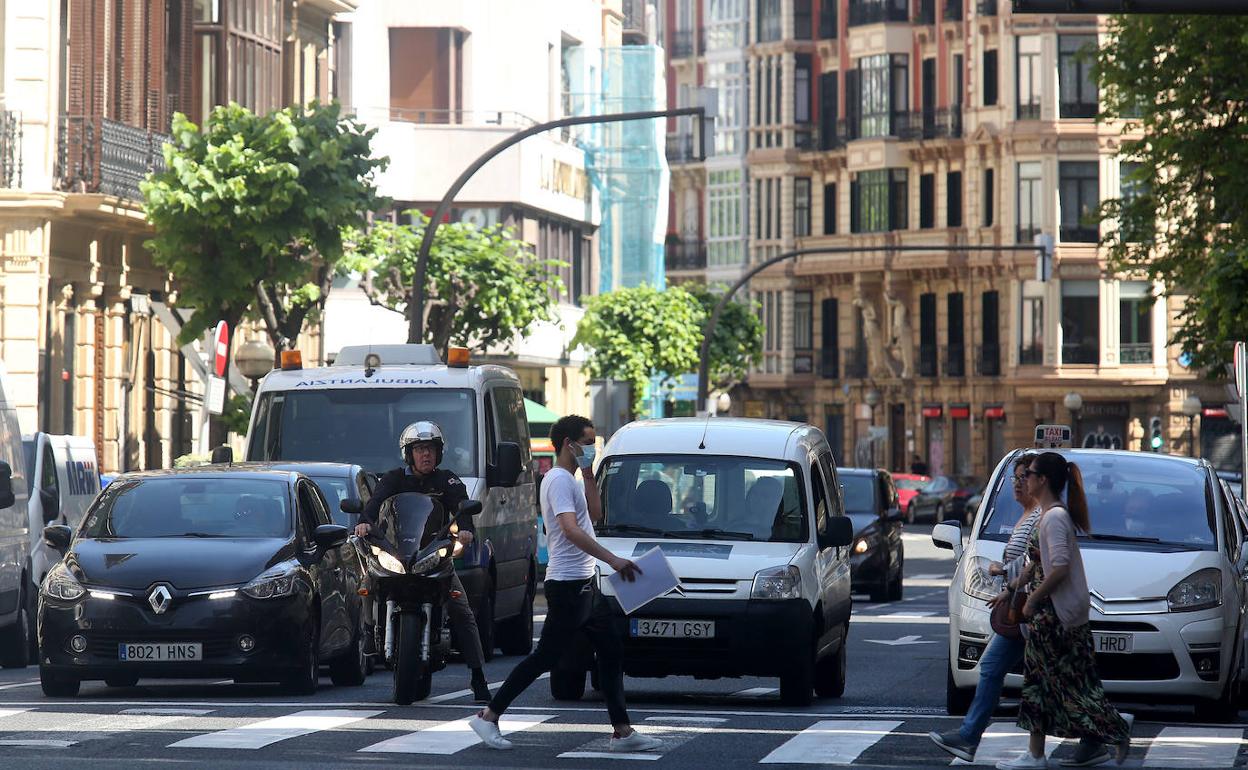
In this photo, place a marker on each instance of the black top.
(441, 485)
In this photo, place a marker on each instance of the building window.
(899, 199)
(884, 95)
(1135, 322)
(803, 21)
(801, 207)
(1028, 72)
(927, 201)
(1076, 86)
(803, 321)
(988, 362)
(727, 78)
(768, 20)
(725, 24)
(425, 74)
(1078, 197)
(1031, 324)
(829, 209)
(989, 197)
(1081, 322)
(829, 353)
(828, 97)
(1132, 185)
(878, 201)
(955, 352)
(953, 199)
(928, 353)
(803, 83)
(1030, 200)
(724, 207)
(990, 77)
(769, 312)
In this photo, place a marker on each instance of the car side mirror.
(470, 507)
(222, 455)
(7, 498)
(51, 503)
(840, 533)
(948, 535)
(505, 472)
(329, 536)
(57, 537)
(350, 506)
(893, 514)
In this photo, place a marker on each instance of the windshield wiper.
(635, 529)
(198, 534)
(725, 534)
(1125, 538)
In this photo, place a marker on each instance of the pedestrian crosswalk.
(560, 737)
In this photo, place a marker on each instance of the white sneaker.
(489, 734)
(1024, 761)
(635, 741)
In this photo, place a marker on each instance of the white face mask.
(586, 458)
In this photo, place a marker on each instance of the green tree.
(737, 345)
(249, 213)
(484, 288)
(1183, 213)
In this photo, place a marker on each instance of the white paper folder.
(656, 579)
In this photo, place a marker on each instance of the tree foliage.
(484, 288)
(637, 333)
(249, 213)
(1183, 214)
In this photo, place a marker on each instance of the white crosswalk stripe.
(1004, 740)
(674, 731)
(451, 737)
(263, 733)
(831, 742)
(1195, 747)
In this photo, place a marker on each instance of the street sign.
(1053, 437)
(216, 395)
(221, 348)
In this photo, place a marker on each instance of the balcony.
(1026, 234)
(876, 11)
(955, 360)
(987, 7)
(1077, 110)
(927, 12)
(10, 149)
(827, 21)
(988, 360)
(1080, 353)
(952, 10)
(1031, 355)
(684, 254)
(1080, 234)
(927, 360)
(829, 364)
(681, 43)
(855, 362)
(1029, 111)
(634, 26)
(803, 362)
(1136, 352)
(98, 155)
(680, 149)
(806, 136)
(935, 124)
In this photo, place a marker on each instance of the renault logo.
(159, 598)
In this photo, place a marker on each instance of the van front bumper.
(752, 638)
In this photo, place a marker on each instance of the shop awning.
(535, 412)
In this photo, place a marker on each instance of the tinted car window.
(197, 507)
(859, 493)
(335, 490)
(911, 484)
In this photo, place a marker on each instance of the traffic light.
(1155, 439)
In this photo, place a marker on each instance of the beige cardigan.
(1058, 546)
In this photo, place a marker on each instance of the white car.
(1166, 567)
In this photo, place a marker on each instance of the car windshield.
(739, 498)
(335, 490)
(938, 484)
(1131, 500)
(190, 507)
(916, 484)
(355, 425)
(859, 493)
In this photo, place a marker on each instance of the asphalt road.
(895, 696)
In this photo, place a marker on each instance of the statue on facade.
(901, 342)
(876, 362)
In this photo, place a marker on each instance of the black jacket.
(441, 485)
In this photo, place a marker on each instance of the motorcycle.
(410, 556)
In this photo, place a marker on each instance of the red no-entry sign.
(221, 348)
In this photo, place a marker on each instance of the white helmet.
(420, 432)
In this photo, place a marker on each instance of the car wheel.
(797, 687)
(122, 680)
(830, 672)
(350, 669)
(15, 640)
(484, 613)
(515, 636)
(957, 699)
(567, 684)
(879, 593)
(58, 686)
(896, 587)
(304, 681)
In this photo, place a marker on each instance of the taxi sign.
(1053, 437)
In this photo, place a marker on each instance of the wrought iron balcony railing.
(10, 149)
(99, 155)
(927, 360)
(927, 12)
(684, 254)
(830, 364)
(988, 360)
(934, 124)
(953, 10)
(955, 360)
(804, 362)
(855, 362)
(987, 7)
(874, 11)
(1080, 352)
(1136, 352)
(681, 149)
(681, 42)
(1031, 355)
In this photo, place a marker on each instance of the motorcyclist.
(421, 445)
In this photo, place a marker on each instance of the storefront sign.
(564, 179)
(933, 411)
(994, 413)
(959, 412)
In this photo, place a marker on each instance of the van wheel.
(32, 611)
(957, 699)
(830, 672)
(58, 687)
(15, 640)
(797, 688)
(484, 613)
(515, 635)
(567, 684)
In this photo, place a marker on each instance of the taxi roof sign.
(1053, 437)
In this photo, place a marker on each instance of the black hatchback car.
(205, 572)
(878, 555)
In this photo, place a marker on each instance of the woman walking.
(1062, 692)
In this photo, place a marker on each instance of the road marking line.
(830, 742)
(260, 734)
(860, 620)
(169, 712)
(464, 693)
(11, 712)
(910, 614)
(929, 576)
(1003, 741)
(672, 735)
(608, 755)
(753, 692)
(31, 683)
(689, 720)
(41, 744)
(451, 737)
(1195, 747)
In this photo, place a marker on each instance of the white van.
(354, 411)
(15, 584)
(64, 478)
(750, 515)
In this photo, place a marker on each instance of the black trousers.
(571, 606)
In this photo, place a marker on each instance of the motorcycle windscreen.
(408, 521)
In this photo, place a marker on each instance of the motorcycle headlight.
(388, 562)
(427, 562)
(1198, 591)
(59, 584)
(276, 581)
(784, 582)
(977, 583)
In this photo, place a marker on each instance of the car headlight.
(1198, 591)
(59, 584)
(388, 562)
(278, 580)
(784, 582)
(977, 583)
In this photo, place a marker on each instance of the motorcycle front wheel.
(413, 678)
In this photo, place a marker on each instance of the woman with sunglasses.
(1062, 692)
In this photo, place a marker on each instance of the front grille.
(104, 644)
(1133, 667)
(1122, 627)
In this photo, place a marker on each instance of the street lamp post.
(1191, 408)
(1074, 404)
(723, 404)
(254, 359)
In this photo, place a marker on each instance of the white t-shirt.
(562, 494)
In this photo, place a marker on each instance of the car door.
(833, 563)
(890, 529)
(326, 568)
(514, 535)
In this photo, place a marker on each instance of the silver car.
(1166, 564)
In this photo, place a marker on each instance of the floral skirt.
(1062, 692)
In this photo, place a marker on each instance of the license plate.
(1113, 643)
(672, 629)
(160, 651)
